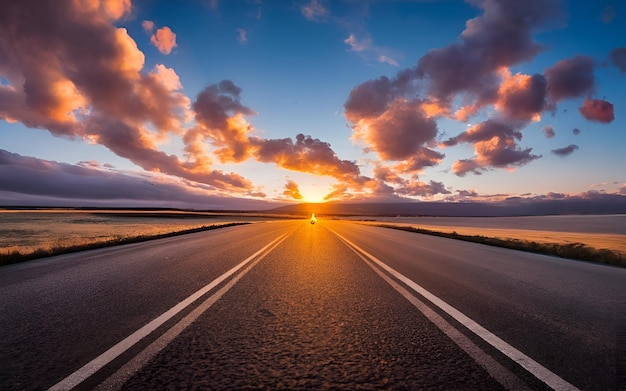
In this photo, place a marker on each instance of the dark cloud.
(570, 78)
(31, 181)
(522, 97)
(423, 189)
(485, 131)
(500, 37)
(216, 103)
(618, 58)
(576, 131)
(565, 151)
(608, 14)
(597, 110)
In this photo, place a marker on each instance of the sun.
(313, 194)
(313, 198)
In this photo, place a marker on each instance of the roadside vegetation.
(577, 251)
(15, 256)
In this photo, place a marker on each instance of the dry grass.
(572, 250)
(16, 254)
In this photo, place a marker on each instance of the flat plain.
(26, 231)
(597, 231)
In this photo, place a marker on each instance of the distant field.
(27, 232)
(597, 231)
(39, 231)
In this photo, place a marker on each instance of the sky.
(248, 104)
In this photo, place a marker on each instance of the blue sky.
(206, 99)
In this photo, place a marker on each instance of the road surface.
(293, 305)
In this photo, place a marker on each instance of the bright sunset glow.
(251, 104)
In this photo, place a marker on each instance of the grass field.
(32, 234)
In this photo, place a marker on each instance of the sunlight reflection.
(313, 219)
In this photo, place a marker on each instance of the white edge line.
(539, 371)
(117, 380)
(99, 362)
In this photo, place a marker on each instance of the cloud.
(548, 131)
(576, 131)
(608, 14)
(401, 131)
(565, 151)
(597, 110)
(495, 145)
(357, 46)
(292, 190)
(368, 50)
(387, 60)
(148, 26)
(339, 191)
(570, 78)
(314, 11)
(307, 155)
(219, 113)
(521, 97)
(164, 39)
(618, 58)
(242, 36)
(32, 181)
(415, 188)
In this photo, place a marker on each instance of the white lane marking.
(539, 371)
(117, 380)
(502, 375)
(99, 362)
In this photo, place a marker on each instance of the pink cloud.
(548, 131)
(314, 11)
(164, 39)
(148, 26)
(597, 110)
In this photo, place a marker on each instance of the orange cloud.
(292, 190)
(164, 39)
(306, 154)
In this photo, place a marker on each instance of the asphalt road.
(308, 312)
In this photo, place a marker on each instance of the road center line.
(540, 372)
(105, 358)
